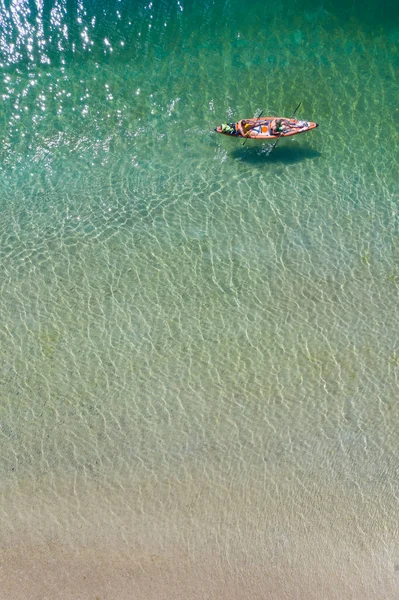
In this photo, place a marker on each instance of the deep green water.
(176, 304)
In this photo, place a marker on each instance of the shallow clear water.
(205, 333)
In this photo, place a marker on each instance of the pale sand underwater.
(115, 542)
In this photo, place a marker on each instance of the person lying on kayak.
(279, 126)
(244, 126)
(275, 126)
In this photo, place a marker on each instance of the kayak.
(260, 128)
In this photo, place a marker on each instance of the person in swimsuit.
(279, 126)
(244, 126)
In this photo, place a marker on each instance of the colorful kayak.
(266, 128)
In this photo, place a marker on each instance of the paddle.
(247, 136)
(275, 143)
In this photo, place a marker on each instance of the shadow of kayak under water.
(283, 154)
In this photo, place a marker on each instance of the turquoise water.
(197, 336)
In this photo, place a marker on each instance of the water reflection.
(47, 32)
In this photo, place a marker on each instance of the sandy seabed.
(55, 571)
(184, 542)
